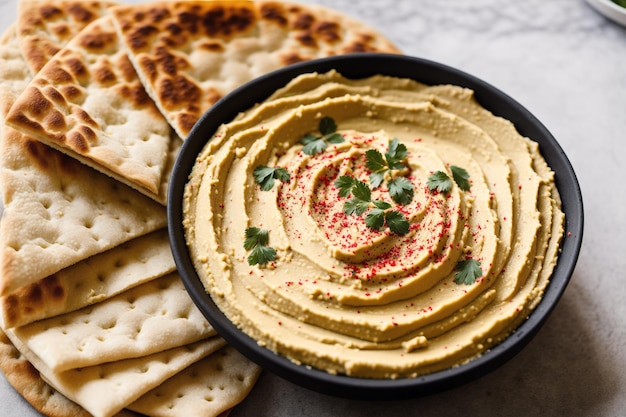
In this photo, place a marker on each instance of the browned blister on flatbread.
(189, 54)
(58, 212)
(88, 102)
(44, 27)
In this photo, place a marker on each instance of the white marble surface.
(567, 65)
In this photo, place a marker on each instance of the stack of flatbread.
(96, 98)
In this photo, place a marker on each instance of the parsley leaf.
(375, 161)
(468, 271)
(264, 176)
(327, 126)
(261, 255)
(361, 191)
(461, 177)
(397, 222)
(257, 240)
(396, 153)
(355, 206)
(345, 184)
(315, 144)
(401, 190)
(439, 181)
(375, 219)
(383, 205)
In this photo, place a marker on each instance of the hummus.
(338, 283)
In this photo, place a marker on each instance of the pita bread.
(44, 27)
(209, 387)
(189, 54)
(88, 102)
(104, 390)
(26, 380)
(90, 281)
(156, 316)
(56, 210)
(14, 75)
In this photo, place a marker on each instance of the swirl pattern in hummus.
(341, 296)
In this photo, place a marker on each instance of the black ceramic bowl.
(360, 66)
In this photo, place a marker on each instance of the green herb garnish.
(362, 195)
(400, 188)
(264, 176)
(314, 144)
(441, 182)
(461, 177)
(256, 241)
(361, 201)
(468, 271)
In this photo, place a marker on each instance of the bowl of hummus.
(374, 226)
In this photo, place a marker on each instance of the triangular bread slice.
(58, 212)
(191, 53)
(28, 383)
(88, 102)
(90, 281)
(209, 387)
(156, 316)
(104, 390)
(44, 27)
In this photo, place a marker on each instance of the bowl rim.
(358, 66)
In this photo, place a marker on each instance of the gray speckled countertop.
(567, 65)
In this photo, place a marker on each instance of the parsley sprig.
(256, 241)
(400, 188)
(264, 176)
(361, 201)
(441, 182)
(468, 271)
(314, 144)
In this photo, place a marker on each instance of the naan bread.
(189, 54)
(88, 102)
(104, 390)
(44, 27)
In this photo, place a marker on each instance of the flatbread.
(58, 212)
(104, 390)
(209, 387)
(189, 54)
(44, 27)
(26, 380)
(88, 103)
(153, 317)
(90, 281)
